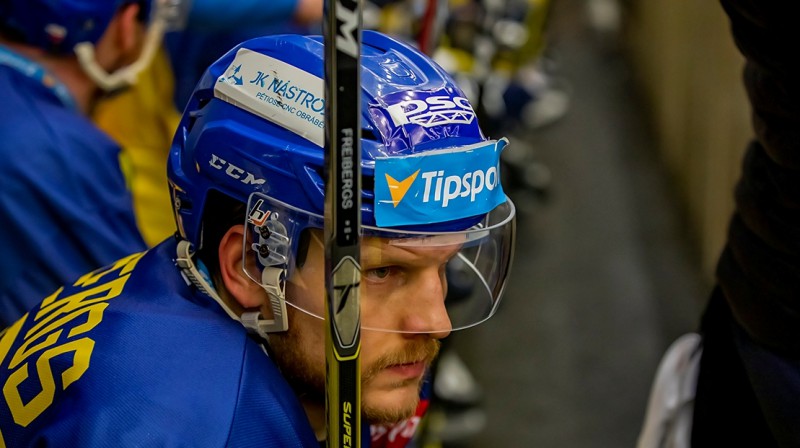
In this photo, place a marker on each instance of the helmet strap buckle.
(272, 280)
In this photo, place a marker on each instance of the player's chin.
(387, 405)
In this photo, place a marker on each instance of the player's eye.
(380, 273)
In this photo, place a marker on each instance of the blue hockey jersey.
(130, 355)
(64, 205)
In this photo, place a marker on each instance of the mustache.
(421, 350)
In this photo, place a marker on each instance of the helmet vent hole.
(368, 134)
(194, 114)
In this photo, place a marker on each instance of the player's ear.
(122, 40)
(240, 287)
(129, 29)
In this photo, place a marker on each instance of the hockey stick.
(342, 34)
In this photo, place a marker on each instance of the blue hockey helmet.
(59, 25)
(253, 131)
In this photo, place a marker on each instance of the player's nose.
(426, 312)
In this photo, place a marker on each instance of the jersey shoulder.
(132, 355)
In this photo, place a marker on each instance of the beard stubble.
(300, 357)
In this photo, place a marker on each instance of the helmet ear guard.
(269, 251)
(268, 239)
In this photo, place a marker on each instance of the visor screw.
(263, 250)
(264, 232)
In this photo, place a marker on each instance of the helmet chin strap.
(125, 76)
(253, 321)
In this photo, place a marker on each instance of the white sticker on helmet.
(272, 89)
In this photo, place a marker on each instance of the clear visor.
(411, 282)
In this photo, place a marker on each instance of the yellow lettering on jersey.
(77, 313)
(25, 413)
(94, 316)
(124, 266)
(8, 337)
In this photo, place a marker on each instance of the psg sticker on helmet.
(277, 91)
(425, 116)
(438, 186)
(434, 110)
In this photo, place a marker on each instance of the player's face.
(403, 289)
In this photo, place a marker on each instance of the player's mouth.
(408, 370)
(407, 365)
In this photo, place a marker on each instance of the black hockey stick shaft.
(342, 34)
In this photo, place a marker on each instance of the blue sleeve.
(64, 208)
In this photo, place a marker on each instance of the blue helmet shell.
(58, 25)
(222, 146)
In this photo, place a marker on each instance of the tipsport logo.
(398, 189)
(432, 111)
(439, 186)
(444, 188)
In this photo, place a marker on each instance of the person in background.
(64, 205)
(737, 381)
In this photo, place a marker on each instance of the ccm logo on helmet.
(433, 111)
(234, 171)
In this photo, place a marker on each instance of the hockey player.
(64, 207)
(215, 337)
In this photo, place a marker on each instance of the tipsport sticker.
(286, 95)
(438, 186)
